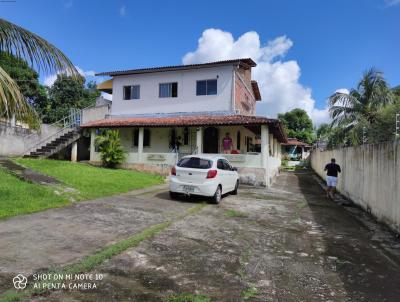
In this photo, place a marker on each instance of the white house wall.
(187, 101)
(159, 139)
(233, 130)
(158, 156)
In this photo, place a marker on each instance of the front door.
(210, 140)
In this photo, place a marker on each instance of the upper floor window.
(168, 90)
(206, 87)
(132, 92)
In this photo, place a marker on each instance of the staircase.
(68, 133)
(55, 145)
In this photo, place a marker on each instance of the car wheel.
(173, 195)
(234, 192)
(217, 195)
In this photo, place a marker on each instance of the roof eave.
(246, 63)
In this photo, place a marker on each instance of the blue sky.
(317, 46)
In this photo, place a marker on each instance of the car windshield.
(195, 162)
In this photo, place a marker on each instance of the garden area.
(79, 182)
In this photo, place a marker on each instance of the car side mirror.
(234, 169)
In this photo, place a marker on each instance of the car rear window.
(195, 163)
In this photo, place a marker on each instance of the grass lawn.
(92, 182)
(19, 197)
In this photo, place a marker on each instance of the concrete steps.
(55, 145)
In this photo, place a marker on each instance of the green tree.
(111, 150)
(90, 94)
(337, 138)
(356, 112)
(26, 78)
(36, 51)
(298, 125)
(323, 131)
(384, 127)
(371, 94)
(396, 92)
(66, 93)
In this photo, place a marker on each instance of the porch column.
(140, 144)
(271, 142)
(302, 152)
(74, 151)
(92, 144)
(199, 140)
(265, 152)
(275, 147)
(279, 150)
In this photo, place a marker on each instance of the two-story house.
(163, 113)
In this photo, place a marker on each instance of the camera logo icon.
(20, 281)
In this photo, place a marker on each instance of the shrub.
(109, 144)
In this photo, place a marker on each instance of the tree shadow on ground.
(366, 270)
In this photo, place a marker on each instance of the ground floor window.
(186, 136)
(146, 138)
(249, 144)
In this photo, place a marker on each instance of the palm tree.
(362, 103)
(39, 53)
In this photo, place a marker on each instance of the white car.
(205, 175)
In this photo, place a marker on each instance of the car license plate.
(188, 188)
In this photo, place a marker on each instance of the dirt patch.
(27, 174)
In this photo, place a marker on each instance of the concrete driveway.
(56, 237)
(288, 243)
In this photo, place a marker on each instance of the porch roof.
(295, 142)
(251, 122)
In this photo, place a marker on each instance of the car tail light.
(173, 171)
(211, 173)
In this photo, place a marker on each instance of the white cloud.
(88, 73)
(278, 79)
(49, 80)
(122, 10)
(320, 116)
(392, 2)
(343, 90)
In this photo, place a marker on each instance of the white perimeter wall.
(370, 177)
(13, 143)
(187, 101)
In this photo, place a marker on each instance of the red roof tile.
(274, 125)
(295, 142)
